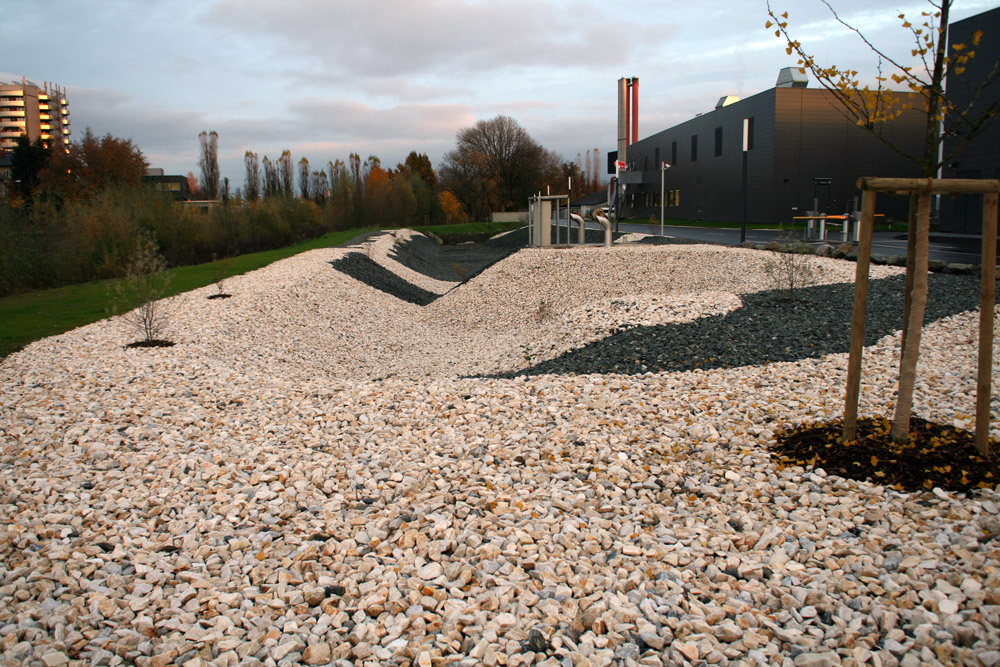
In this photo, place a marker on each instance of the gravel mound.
(312, 475)
(455, 263)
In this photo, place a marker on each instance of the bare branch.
(860, 34)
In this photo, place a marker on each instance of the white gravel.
(310, 477)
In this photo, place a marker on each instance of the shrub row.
(50, 245)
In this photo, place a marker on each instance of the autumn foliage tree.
(91, 165)
(873, 105)
(454, 212)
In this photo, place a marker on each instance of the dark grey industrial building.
(798, 137)
(981, 157)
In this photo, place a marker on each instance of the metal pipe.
(635, 109)
(628, 115)
(622, 132)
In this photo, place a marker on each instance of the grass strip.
(31, 316)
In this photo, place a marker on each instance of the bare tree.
(495, 166)
(319, 186)
(272, 182)
(304, 177)
(286, 173)
(251, 187)
(209, 163)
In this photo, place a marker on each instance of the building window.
(694, 147)
(673, 152)
(750, 133)
(673, 197)
(658, 164)
(718, 141)
(645, 163)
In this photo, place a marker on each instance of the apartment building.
(38, 111)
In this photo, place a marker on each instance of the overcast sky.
(325, 78)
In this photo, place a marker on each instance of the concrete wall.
(511, 216)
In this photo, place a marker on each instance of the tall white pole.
(746, 147)
(663, 179)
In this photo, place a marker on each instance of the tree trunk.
(853, 391)
(914, 325)
(911, 262)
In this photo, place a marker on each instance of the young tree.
(209, 164)
(251, 186)
(145, 284)
(872, 107)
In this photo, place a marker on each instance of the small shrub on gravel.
(220, 271)
(544, 311)
(145, 283)
(791, 272)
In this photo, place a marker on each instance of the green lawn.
(30, 316)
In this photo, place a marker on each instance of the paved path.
(946, 247)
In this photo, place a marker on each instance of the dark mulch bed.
(150, 343)
(936, 455)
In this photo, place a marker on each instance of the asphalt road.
(946, 247)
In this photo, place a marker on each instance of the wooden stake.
(933, 185)
(987, 298)
(858, 320)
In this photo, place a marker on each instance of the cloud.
(394, 38)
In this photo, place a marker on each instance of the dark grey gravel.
(767, 329)
(365, 270)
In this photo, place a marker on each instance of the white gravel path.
(310, 477)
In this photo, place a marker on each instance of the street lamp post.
(746, 147)
(663, 178)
